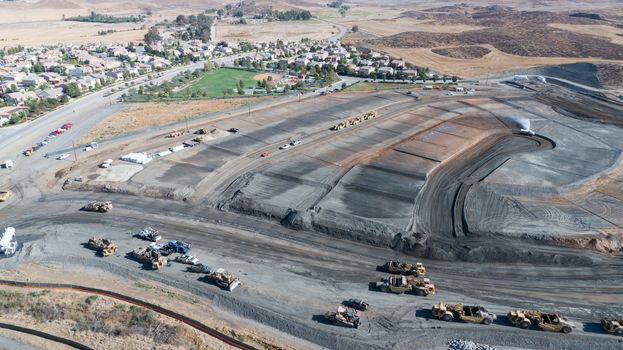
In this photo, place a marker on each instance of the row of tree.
(100, 18)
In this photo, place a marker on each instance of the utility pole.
(186, 120)
(73, 143)
(249, 105)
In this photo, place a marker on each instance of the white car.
(295, 142)
(187, 259)
(286, 146)
(63, 156)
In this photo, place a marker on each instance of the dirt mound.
(463, 52)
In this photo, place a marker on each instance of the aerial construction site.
(510, 197)
(481, 213)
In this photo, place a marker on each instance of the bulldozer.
(101, 207)
(344, 317)
(613, 326)
(398, 268)
(354, 121)
(151, 256)
(201, 131)
(466, 313)
(552, 322)
(399, 284)
(104, 246)
(223, 279)
(27, 152)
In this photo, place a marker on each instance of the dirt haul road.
(310, 273)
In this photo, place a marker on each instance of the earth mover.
(223, 279)
(466, 313)
(401, 284)
(5, 195)
(101, 207)
(104, 246)
(344, 317)
(613, 326)
(553, 322)
(151, 256)
(398, 268)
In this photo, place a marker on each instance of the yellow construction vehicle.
(552, 322)
(104, 246)
(466, 313)
(5, 195)
(396, 267)
(399, 284)
(613, 326)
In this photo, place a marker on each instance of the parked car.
(286, 146)
(295, 142)
(233, 130)
(265, 154)
(63, 156)
(358, 304)
(187, 259)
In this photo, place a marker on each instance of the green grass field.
(214, 82)
(363, 86)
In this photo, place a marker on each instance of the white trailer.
(9, 164)
(8, 244)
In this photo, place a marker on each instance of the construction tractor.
(398, 268)
(553, 322)
(200, 132)
(5, 195)
(466, 313)
(613, 326)
(354, 121)
(223, 279)
(175, 133)
(104, 246)
(151, 256)
(401, 284)
(344, 317)
(100, 207)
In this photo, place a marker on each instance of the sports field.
(215, 82)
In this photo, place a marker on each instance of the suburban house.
(18, 98)
(54, 93)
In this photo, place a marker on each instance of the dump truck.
(103, 246)
(466, 313)
(5, 195)
(613, 326)
(223, 279)
(398, 268)
(148, 234)
(401, 284)
(344, 317)
(552, 322)
(151, 256)
(101, 207)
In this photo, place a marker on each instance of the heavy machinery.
(8, 243)
(223, 279)
(103, 246)
(5, 195)
(354, 121)
(613, 326)
(466, 313)
(148, 234)
(344, 317)
(398, 268)
(200, 268)
(400, 284)
(357, 304)
(200, 132)
(101, 207)
(553, 322)
(175, 133)
(151, 256)
(27, 152)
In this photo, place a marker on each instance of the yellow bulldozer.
(466, 313)
(613, 326)
(101, 207)
(552, 322)
(399, 268)
(104, 246)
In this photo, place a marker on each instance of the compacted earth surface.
(500, 216)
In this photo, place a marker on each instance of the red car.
(67, 126)
(265, 154)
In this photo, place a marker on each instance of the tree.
(435, 77)
(152, 36)
(355, 29)
(181, 19)
(220, 12)
(72, 90)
